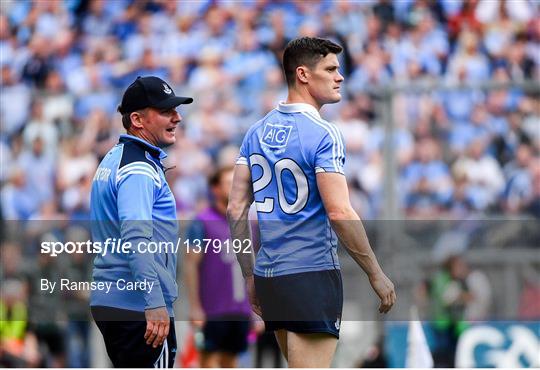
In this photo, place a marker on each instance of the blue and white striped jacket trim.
(139, 168)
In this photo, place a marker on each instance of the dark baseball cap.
(150, 91)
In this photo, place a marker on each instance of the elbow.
(234, 211)
(341, 214)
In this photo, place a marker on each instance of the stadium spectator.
(39, 168)
(18, 200)
(520, 65)
(384, 10)
(458, 295)
(501, 20)
(18, 344)
(477, 127)
(518, 188)
(42, 128)
(97, 23)
(462, 202)
(76, 167)
(505, 145)
(468, 62)
(483, 171)
(57, 102)
(464, 19)
(13, 116)
(371, 69)
(427, 180)
(467, 296)
(39, 63)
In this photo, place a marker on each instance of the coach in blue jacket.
(132, 210)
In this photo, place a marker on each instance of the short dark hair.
(215, 177)
(126, 120)
(306, 51)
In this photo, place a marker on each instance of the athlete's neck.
(297, 96)
(141, 135)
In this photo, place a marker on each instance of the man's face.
(159, 126)
(324, 80)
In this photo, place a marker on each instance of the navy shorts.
(226, 334)
(307, 302)
(123, 332)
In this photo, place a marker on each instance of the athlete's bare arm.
(350, 231)
(240, 201)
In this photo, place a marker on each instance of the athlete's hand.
(250, 286)
(384, 288)
(197, 317)
(157, 326)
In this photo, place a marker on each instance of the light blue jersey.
(284, 151)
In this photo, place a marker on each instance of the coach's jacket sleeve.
(136, 194)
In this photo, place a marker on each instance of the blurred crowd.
(64, 65)
(459, 150)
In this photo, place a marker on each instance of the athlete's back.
(295, 284)
(284, 151)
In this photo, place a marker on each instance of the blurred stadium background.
(441, 117)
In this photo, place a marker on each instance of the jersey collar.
(153, 150)
(297, 108)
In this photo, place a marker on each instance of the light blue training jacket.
(131, 201)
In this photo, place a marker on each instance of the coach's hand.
(384, 288)
(250, 286)
(157, 326)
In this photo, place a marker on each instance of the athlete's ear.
(302, 73)
(137, 119)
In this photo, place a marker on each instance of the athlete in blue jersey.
(291, 166)
(132, 203)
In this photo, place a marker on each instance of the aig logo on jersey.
(276, 136)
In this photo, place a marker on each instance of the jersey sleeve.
(244, 152)
(330, 154)
(135, 201)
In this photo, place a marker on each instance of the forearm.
(240, 200)
(237, 216)
(352, 235)
(240, 230)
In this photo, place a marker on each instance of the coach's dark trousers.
(123, 332)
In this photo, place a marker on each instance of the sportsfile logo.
(275, 135)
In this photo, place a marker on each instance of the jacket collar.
(154, 151)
